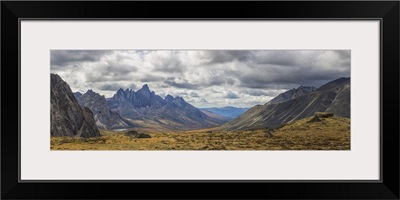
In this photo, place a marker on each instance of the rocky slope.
(332, 97)
(213, 115)
(67, 117)
(292, 94)
(103, 116)
(170, 112)
(228, 111)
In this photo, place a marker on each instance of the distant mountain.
(170, 112)
(213, 115)
(133, 105)
(67, 118)
(332, 97)
(292, 94)
(77, 95)
(228, 111)
(104, 117)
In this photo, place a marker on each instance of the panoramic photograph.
(200, 100)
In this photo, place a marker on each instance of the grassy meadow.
(328, 134)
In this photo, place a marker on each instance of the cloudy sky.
(214, 78)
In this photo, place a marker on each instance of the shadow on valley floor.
(331, 133)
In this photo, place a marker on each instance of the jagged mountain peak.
(145, 87)
(103, 116)
(91, 92)
(169, 98)
(292, 94)
(77, 95)
(171, 112)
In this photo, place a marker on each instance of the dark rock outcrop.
(67, 117)
(317, 117)
(103, 116)
(169, 112)
(333, 97)
(87, 129)
(314, 119)
(324, 114)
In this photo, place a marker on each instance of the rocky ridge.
(103, 116)
(67, 118)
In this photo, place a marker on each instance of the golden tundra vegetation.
(318, 132)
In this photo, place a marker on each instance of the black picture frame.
(386, 11)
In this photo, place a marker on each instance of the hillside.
(332, 97)
(292, 94)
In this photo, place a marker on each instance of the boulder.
(324, 114)
(314, 119)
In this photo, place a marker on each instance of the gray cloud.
(115, 87)
(169, 62)
(224, 56)
(109, 87)
(262, 92)
(194, 94)
(228, 77)
(64, 57)
(202, 100)
(101, 76)
(150, 78)
(183, 83)
(231, 95)
(281, 58)
(181, 93)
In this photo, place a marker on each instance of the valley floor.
(329, 134)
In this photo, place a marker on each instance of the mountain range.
(169, 112)
(126, 109)
(103, 116)
(229, 112)
(332, 97)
